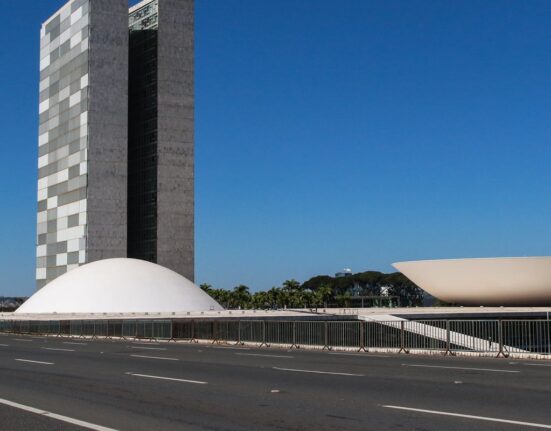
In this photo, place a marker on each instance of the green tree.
(321, 290)
(275, 298)
(221, 296)
(318, 281)
(240, 297)
(343, 299)
(291, 293)
(207, 288)
(261, 300)
(323, 295)
(401, 286)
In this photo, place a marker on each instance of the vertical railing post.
(448, 344)
(500, 339)
(530, 343)
(212, 332)
(362, 343)
(548, 335)
(326, 336)
(294, 337)
(193, 332)
(402, 338)
(171, 330)
(263, 343)
(239, 332)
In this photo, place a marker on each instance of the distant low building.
(385, 290)
(346, 272)
(11, 303)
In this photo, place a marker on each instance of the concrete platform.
(417, 313)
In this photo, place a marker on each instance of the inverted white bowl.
(510, 281)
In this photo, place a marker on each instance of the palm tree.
(323, 294)
(241, 297)
(274, 297)
(291, 285)
(261, 300)
(291, 293)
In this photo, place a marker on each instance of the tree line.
(323, 291)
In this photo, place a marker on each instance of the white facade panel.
(41, 273)
(41, 251)
(61, 259)
(43, 139)
(72, 245)
(76, 15)
(42, 107)
(45, 62)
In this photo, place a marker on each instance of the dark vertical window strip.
(142, 145)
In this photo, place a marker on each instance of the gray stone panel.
(175, 180)
(107, 130)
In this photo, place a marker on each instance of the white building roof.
(119, 286)
(507, 281)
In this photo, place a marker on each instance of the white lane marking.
(461, 368)
(265, 356)
(35, 362)
(317, 372)
(228, 348)
(197, 382)
(480, 418)
(4, 345)
(148, 348)
(538, 365)
(76, 344)
(54, 348)
(62, 418)
(22, 339)
(155, 357)
(359, 355)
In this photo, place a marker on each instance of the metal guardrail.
(498, 337)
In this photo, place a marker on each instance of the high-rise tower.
(116, 171)
(161, 134)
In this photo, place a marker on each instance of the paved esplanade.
(152, 386)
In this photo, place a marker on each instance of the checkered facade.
(63, 142)
(82, 141)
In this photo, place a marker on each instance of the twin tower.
(116, 135)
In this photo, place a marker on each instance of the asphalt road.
(53, 383)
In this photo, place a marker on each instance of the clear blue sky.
(333, 134)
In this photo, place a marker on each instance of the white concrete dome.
(119, 286)
(506, 281)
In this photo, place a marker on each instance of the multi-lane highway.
(75, 384)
